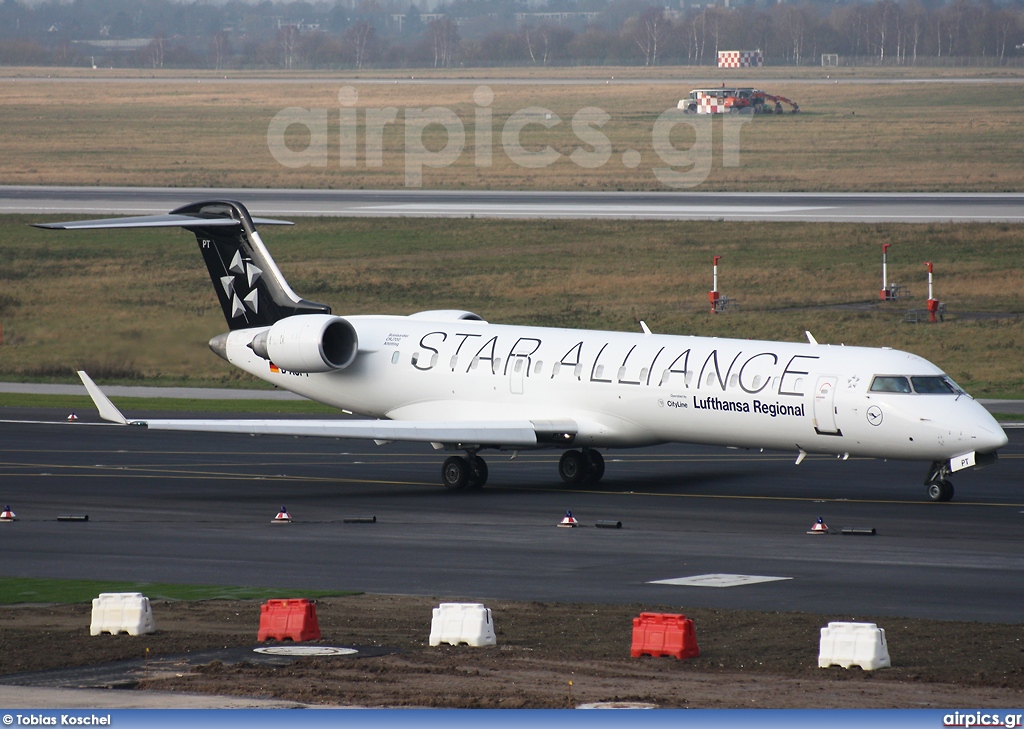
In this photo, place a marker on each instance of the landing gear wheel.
(478, 469)
(940, 490)
(595, 463)
(456, 473)
(573, 467)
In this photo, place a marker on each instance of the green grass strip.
(15, 590)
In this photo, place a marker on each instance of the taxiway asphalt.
(197, 508)
(812, 207)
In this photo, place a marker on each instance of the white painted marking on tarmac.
(718, 580)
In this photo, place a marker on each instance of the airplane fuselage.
(624, 389)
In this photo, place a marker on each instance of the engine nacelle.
(308, 343)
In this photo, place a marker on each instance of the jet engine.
(308, 343)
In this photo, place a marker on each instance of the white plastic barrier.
(121, 612)
(853, 644)
(462, 622)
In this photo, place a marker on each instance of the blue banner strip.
(500, 719)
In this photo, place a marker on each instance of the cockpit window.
(888, 383)
(932, 385)
(940, 385)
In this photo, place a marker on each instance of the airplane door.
(517, 374)
(825, 406)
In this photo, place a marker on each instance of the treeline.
(379, 33)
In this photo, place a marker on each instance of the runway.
(813, 207)
(197, 508)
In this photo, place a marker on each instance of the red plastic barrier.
(662, 634)
(295, 619)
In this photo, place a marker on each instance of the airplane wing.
(506, 433)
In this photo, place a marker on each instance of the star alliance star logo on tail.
(246, 274)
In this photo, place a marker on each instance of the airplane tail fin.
(250, 287)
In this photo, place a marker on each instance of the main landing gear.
(469, 472)
(939, 487)
(583, 466)
(464, 472)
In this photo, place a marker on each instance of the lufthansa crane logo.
(874, 414)
(240, 286)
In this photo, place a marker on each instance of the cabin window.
(933, 385)
(395, 356)
(555, 368)
(578, 370)
(496, 366)
(888, 383)
(757, 382)
(711, 379)
(454, 362)
(415, 358)
(519, 364)
(643, 374)
(537, 367)
(688, 378)
(600, 371)
(733, 380)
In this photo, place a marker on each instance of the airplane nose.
(988, 434)
(993, 440)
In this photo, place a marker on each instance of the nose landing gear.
(937, 483)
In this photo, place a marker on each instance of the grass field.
(137, 306)
(214, 132)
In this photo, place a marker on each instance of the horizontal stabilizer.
(171, 220)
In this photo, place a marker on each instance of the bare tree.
(219, 48)
(881, 22)
(361, 37)
(647, 28)
(288, 41)
(156, 51)
(444, 37)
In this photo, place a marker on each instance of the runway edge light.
(283, 517)
(7, 514)
(568, 520)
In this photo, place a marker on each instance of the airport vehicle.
(757, 100)
(735, 101)
(453, 380)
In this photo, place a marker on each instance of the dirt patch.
(748, 659)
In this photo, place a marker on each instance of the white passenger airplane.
(450, 379)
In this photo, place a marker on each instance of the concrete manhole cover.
(305, 650)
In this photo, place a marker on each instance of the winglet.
(643, 325)
(107, 409)
(810, 338)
